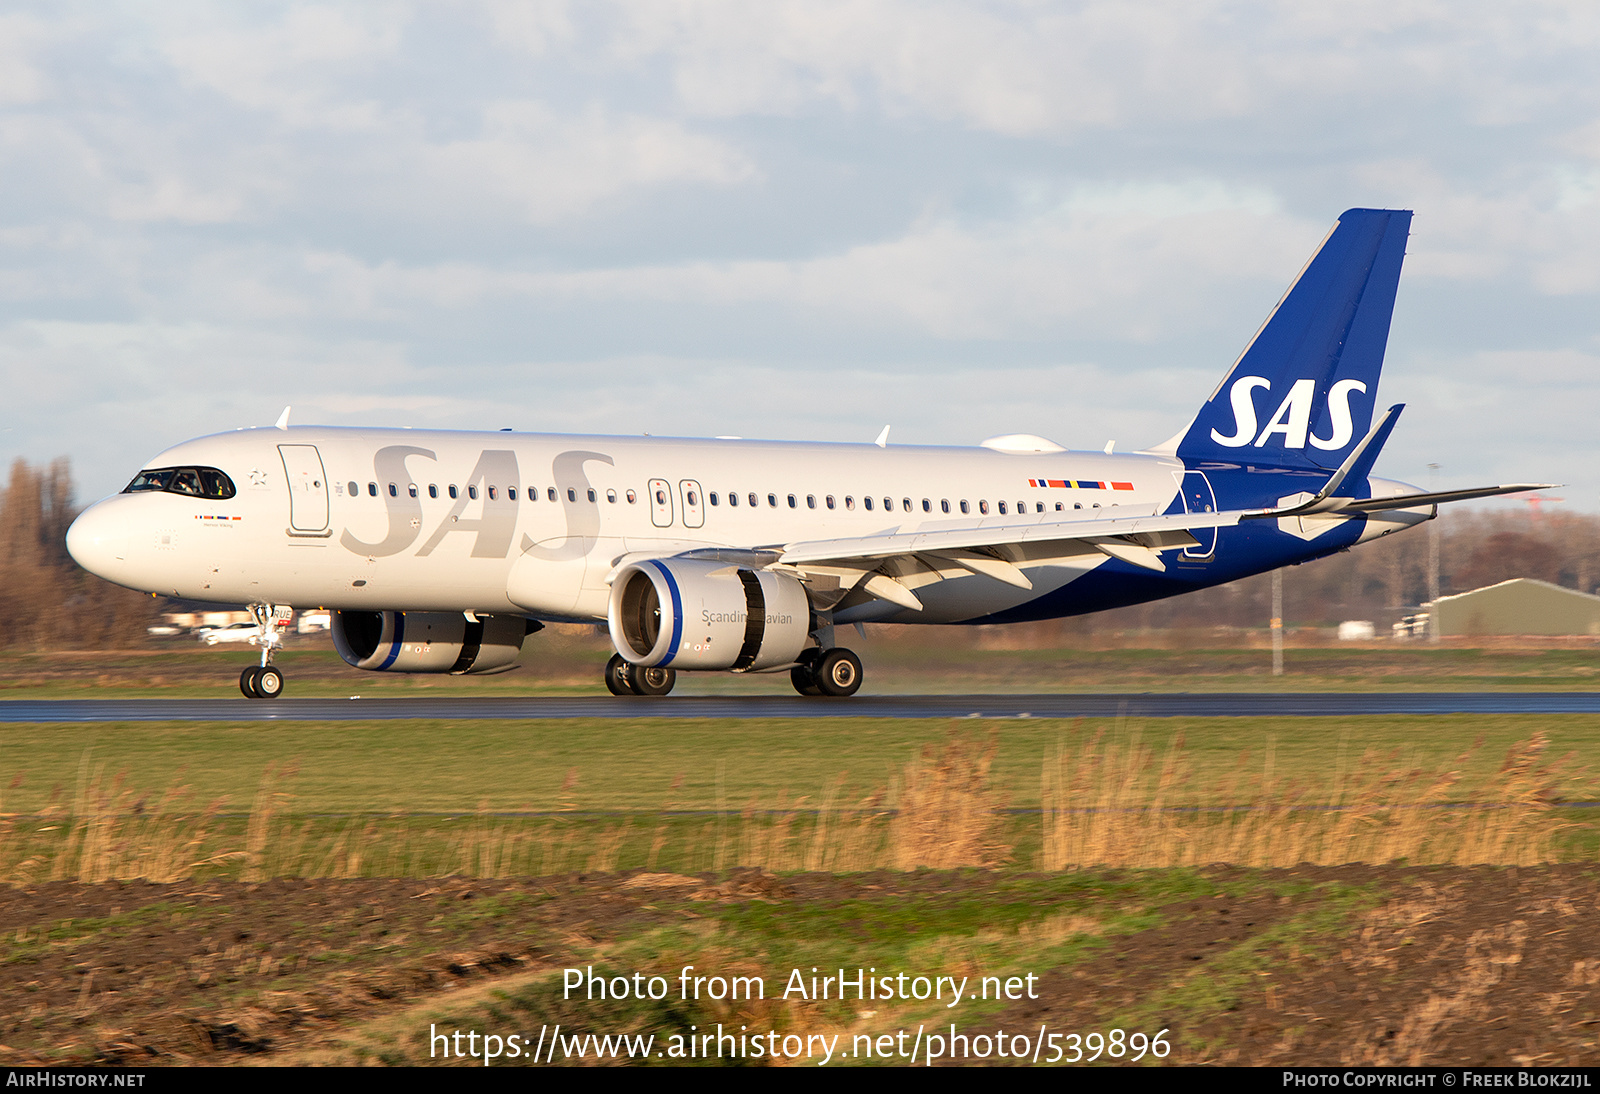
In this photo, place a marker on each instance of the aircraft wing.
(891, 564)
(992, 536)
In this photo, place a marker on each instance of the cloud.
(409, 210)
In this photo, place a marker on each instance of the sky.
(797, 220)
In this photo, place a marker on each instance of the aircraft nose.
(98, 541)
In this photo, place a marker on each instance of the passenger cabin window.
(713, 497)
(472, 492)
(772, 501)
(551, 493)
(1002, 508)
(849, 502)
(964, 507)
(611, 496)
(591, 495)
(867, 501)
(830, 501)
(754, 501)
(693, 499)
(453, 490)
(927, 505)
(354, 490)
(491, 493)
(632, 497)
(572, 494)
(733, 500)
(811, 501)
(511, 493)
(944, 504)
(792, 502)
(372, 489)
(905, 504)
(983, 507)
(411, 489)
(433, 490)
(394, 491)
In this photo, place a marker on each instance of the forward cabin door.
(308, 488)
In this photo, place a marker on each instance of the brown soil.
(1483, 966)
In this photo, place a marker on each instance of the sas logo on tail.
(1293, 416)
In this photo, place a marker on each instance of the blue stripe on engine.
(399, 640)
(677, 613)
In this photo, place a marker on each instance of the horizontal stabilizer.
(1407, 501)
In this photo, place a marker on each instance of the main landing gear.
(835, 673)
(263, 681)
(625, 678)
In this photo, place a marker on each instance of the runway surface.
(1146, 705)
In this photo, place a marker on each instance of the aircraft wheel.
(247, 682)
(619, 674)
(652, 681)
(838, 673)
(269, 683)
(804, 675)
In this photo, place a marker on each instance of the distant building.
(1518, 606)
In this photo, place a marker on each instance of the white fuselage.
(497, 522)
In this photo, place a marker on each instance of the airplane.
(442, 551)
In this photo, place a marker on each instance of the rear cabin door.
(308, 487)
(1199, 498)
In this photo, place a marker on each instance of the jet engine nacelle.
(429, 641)
(690, 614)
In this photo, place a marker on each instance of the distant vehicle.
(160, 631)
(238, 632)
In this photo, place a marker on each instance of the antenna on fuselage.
(283, 419)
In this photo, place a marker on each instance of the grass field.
(302, 893)
(496, 798)
(614, 765)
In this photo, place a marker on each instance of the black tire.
(804, 675)
(651, 681)
(619, 676)
(269, 683)
(247, 682)
(838, 673)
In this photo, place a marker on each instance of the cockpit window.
(196, 482)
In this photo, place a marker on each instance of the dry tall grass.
(1110, 803)
(1106, 802)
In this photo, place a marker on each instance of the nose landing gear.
(263, 681)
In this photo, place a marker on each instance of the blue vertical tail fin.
(1302, 393)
